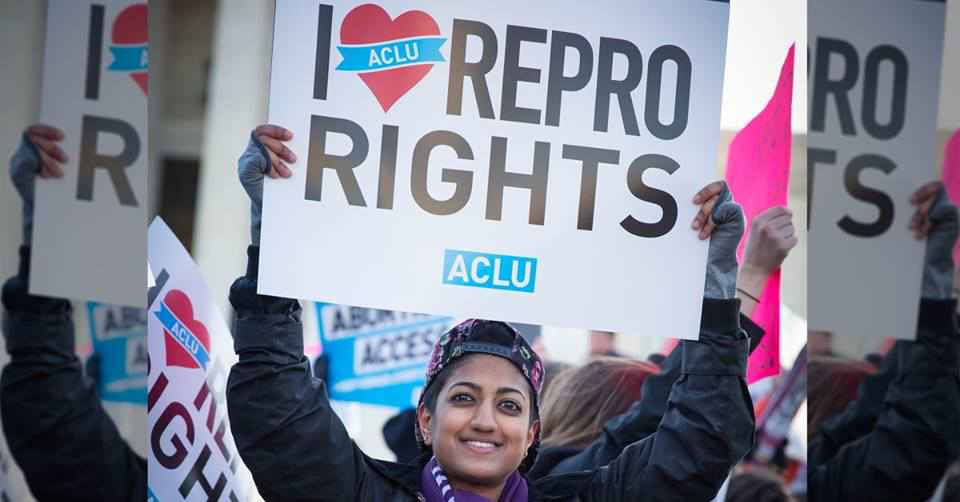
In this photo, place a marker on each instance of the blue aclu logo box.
(487, 270)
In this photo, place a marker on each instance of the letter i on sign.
(94, 50)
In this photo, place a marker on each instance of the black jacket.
(638, 422)
(297, 448)
(58, 433)
(896, 440)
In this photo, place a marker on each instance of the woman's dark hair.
(432, 393)
(757, 484)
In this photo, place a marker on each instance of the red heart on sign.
(370, 24)
(130, 28)
(179, 303)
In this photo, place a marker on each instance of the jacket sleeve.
(707, 427)
(917, 432)
(57, 431)
(643, 417)
(285, 430)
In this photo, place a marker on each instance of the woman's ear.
(425, 420)
(533, 432)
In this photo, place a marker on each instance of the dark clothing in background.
(398, 433)
(638, 422)
(298, 449)
(58, 433)
(896, 440)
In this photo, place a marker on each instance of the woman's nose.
(483, 418)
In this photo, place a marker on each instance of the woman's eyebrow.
(505, 390)
(478, 388)
(468, 384)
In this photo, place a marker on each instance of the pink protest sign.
(951, 176)
(758, 173)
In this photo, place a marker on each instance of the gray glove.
(938, 259)
(721, 283)
(254, 164)
(24, 167)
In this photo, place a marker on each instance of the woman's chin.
(480, 473)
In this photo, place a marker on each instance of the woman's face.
(481, 429)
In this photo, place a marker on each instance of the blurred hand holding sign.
(191, 452)
(871, 143)
(89, 226)
(532, 161)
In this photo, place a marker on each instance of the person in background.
(582, 400)
(603, 344)
(820, 343)
(58, 432)
(833, 383)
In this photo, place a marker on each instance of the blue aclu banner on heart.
(131, 58)
(186, 338)
(119, 336)
(377, 356)
(488, 270)
(393, 54)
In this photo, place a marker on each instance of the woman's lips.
(481, 447)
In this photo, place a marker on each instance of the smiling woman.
(479, 414)
(478, 419)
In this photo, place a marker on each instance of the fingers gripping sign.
(266, 155)
(38, 155)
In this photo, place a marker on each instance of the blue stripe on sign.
(491, 271)
(182, 335)
(391, 54)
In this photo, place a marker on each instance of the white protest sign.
(532, 161)
(871, 144)
(89, 226)
(192, 455)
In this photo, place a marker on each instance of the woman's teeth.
(482, 445)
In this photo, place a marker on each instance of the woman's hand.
(720, 219)
(271, 137)
(707, 198)
(266, 155)
(935, 219)
(39, 155)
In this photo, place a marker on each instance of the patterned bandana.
(478, 336)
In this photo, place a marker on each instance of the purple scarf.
(433, 482)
